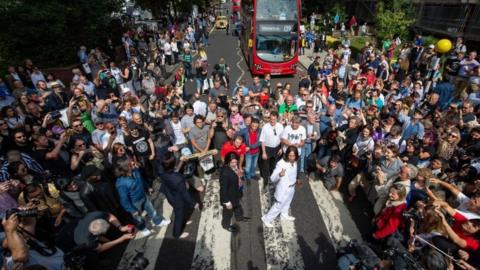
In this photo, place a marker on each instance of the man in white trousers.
(285, 177)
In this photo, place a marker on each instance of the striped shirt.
(29, 162)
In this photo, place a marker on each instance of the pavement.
(306, 59)
(324, 221)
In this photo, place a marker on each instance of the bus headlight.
(258, 66)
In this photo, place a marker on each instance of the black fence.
(449, 19)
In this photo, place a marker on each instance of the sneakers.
(287, 218)
(164, 223)
(145, 232)
(266, 224)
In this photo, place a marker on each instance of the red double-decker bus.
(236, 6)
(269, 35)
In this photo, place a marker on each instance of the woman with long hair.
(285, 177)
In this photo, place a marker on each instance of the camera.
(21, 213)
(138, 262)
(412, 214)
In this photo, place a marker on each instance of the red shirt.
(389, 220)
(253, 140)
(472, 243)
(229, 147)
(264, 97)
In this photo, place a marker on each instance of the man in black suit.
(230, 193)
(174, 188)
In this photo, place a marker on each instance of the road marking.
(239, 53)
(281, 243)
(336, 216)
(150, 245)
(213, 244)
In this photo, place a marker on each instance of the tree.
(392, 21)
(51, 31)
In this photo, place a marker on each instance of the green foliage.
(340, 10)
(51, 31)
(390, 22)
(430, 40)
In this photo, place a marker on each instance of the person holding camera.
(24, 246)
(45, 152)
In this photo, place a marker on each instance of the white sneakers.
(266, 224)
(287, 218)
(164, 223)
(145, 232)
(282, 218)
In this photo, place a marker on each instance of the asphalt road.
(247, 248)
(323, 221)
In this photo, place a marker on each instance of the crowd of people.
(81, 159)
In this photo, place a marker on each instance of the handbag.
(207, 163)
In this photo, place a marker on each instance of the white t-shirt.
(200, 108)
(463, 201)
(116, 74)
(294, 136)
(167, 49)
(103, 138)
(177, 130)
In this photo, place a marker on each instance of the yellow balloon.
(444, 45)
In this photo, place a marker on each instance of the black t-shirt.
(57, 167)
(82, 235)
(139, 144)
(454, 65)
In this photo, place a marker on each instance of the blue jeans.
(145, 205)
(306, 151)
(250, 165)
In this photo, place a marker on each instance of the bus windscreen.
(277, 10)
(276, 47)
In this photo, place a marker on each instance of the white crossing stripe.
(213, 244)
(335, 215)
(281, 243)
(150, 245)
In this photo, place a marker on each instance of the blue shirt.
(131, 189)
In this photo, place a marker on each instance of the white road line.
(150, 245)
(239, 53)
(336, 216)
(281, 243)
(213, 244)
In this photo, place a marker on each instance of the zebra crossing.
(283, 245)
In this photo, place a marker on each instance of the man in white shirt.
(180, 139)
(199, 106)
(270, 139)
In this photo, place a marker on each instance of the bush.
(430, 40)
(50, 32)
